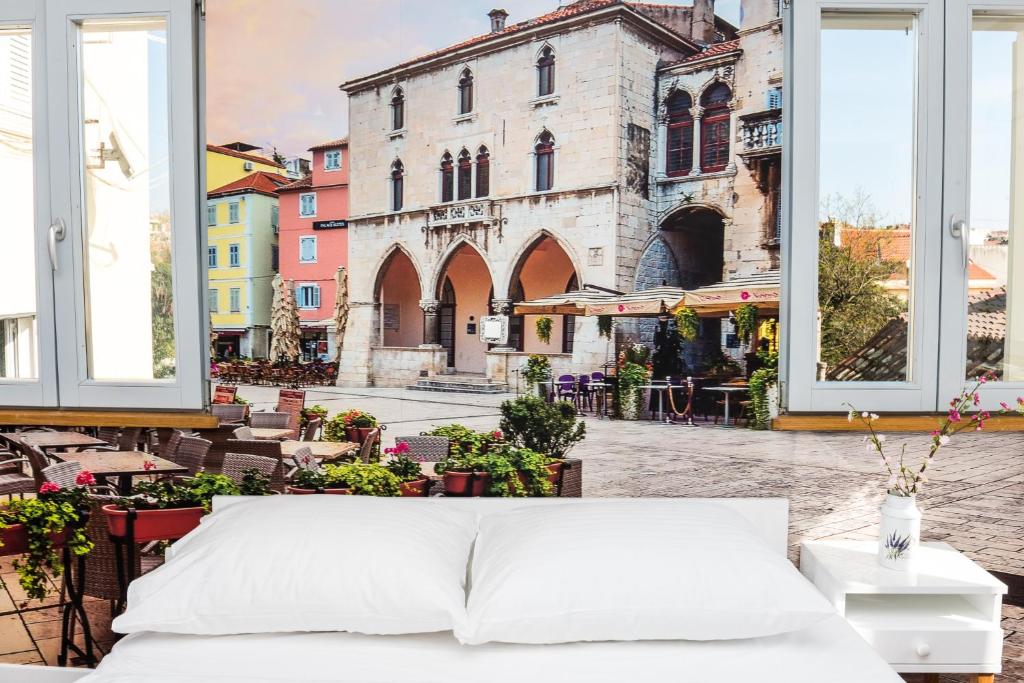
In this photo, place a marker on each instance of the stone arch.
(543, 266)
(384, 261)
(710, 83)
(528, 245)
(397, 292)
(465, 267)
(437, 279)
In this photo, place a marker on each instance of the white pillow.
(649, 570)
(310, 563)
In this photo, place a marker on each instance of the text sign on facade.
(330, 225)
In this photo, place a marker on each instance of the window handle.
(57, 232)
(958, 229)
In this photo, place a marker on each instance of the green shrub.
(364, 479)
(548, 428)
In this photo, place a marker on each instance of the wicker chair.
(228, 413)
(191, 453)
(312, 428)
(124, 439)
(572, 479)
(218, 438)
(366, 450)
(16, 482)
(266, 449)
(235, 465)
(244, 433)
(425, 448)
(169, 448)
(269, 420)
(63, 474)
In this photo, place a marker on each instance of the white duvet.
(829, 652)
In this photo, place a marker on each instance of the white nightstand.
(941, 617)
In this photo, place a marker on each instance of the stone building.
(533, 160)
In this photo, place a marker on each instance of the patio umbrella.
(340, 309)
(569, 303)
(284, 322)
(647, 303)
(760, 289)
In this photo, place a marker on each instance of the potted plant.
(414, 483)
(38, 527)
(503, 470)
(746, 321)
(632, 371)
(762, 382)
(365, 479)
(900, 528)
(544, 325)
(306, 414)
(538, 369)
(164, 510)
(536, 473)
(687, 323)
(548, 428)
(351, 425)
(316, 481)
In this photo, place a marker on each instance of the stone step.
(462, 378)
(456, 384)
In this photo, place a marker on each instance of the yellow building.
(233, 161)
(242, 218)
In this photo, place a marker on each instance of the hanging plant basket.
(544, 325)
(604, 326)
(746, 321)
(687, 323)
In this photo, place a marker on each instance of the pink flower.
(977, 398)
(49, 487)
(982, 379)
(401, 447)
(85, 478)
(954, 415)
(148, 465)
(1004, 405)
(497, 435)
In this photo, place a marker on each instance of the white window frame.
(234, 212)
(212, 257)
(234, 255)
(211, 215)
(213, 300)
(314, 288)
(330, 154)
(306, 239)
(235, 300)
(302, 197)
(57, 178)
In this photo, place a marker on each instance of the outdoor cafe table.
(661, 397)
(50, 440)
(270, 433)
(322, 450)
(121, 464)
(728, 390)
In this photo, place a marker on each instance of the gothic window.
(545, 162)
(398, 110)
(397, 185)
(714, 128)
(466, 92)
(546, 72)
(483, 172)
(465, 175)
(447, 178)
(679, 150)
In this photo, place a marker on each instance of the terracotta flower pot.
(466, 483)
(154, 525)
(15, 539)
(306, 492)
(358, 434)
(554, 476)
(417, 487)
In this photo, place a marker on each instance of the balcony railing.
(761, 133)
(476, 211)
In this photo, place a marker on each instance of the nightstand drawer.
(936, 647)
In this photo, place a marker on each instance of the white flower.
(874, 416)
(849, 416)
(943, 440)
(869, 446)
(881, 438)
(864, 415)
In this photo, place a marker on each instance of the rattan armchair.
(235, 465)
(269, 420)
(228, 413)
(366, 450)
(244, 433)
(312, 428)
(191, 453)
(425, 448)
(266, 449)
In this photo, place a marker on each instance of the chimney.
(498, 17)
(702, 21)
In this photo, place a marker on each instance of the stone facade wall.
(396, 366)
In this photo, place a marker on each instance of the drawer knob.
(923, 649)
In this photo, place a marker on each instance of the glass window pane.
(18, 344)
(127, 223)
(866, 183)
(995, 296)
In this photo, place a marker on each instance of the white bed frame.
(768, 516)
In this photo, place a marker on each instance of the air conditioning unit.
(247, 165)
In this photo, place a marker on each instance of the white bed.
(830, 651)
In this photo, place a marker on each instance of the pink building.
(313, 239)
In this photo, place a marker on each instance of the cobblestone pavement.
(975, 500)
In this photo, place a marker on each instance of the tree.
(851, 299)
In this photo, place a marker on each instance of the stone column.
(430, 311)
(733, 131)
(697, 113)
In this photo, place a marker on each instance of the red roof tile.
(343, 142)
(565, 12)
(260, 181)
(301, 184)
(713, 50)
(255, 158)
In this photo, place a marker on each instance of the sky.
(273, 68)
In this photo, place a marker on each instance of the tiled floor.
(975, 500)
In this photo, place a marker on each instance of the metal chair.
(565, 388)
(585, 396)
(366, 450)
(426, 448)
(269, 420)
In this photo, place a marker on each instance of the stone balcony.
(462, 213)
(761, 133)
